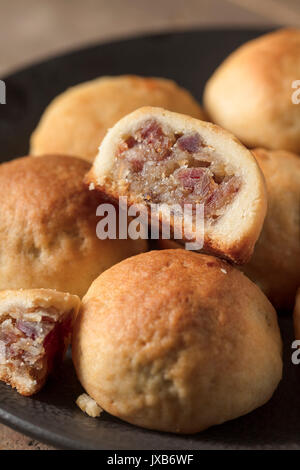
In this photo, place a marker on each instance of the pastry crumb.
(91, 186)
(223, 270)
(88, 405)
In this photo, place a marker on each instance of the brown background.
(33, 29)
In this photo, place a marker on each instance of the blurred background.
(33, 29)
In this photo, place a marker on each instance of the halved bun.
(156, 156)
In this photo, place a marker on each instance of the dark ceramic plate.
(52, 416)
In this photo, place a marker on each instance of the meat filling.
(30, 348)
(165, 167)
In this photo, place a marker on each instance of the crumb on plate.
(88, 405)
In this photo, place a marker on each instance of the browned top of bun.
(250, 93)
(176, 341)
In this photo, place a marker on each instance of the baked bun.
(77, 120)
(156, 156)
(275, 264)
(250, 93)
(35, 330)
(48, 227)
(177, 341)
(297, 316)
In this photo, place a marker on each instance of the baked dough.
(35, 330)
(156, 156)
(275, 264)
(250, 93)
(177, 341)
(48, 227)
(76, 121)
(88, 406)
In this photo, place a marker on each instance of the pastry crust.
(250, 93)
(177, 341)
(35, 330)
(77, 120)
(48, 227)
(232, 235)
(275, 264)
(167, 244)
(38, 298)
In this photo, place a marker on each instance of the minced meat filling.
(25, 343)
(165, 167)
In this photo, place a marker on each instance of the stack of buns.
(168, 339)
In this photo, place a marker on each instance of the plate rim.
(263, 29)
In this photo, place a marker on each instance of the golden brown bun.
(250, 93)
(35, 331)
(297, 316)
(233, 235)
(177, 341)
(77, 120)
(48, 227)
(275, 264)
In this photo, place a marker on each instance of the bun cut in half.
(154, 156)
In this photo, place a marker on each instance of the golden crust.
(250, 93)
(176, 341)
(275, 264)
(233, 236)
(77, 120)
(33, 298)
(48, 227)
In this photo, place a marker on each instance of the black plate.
(52, 415)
